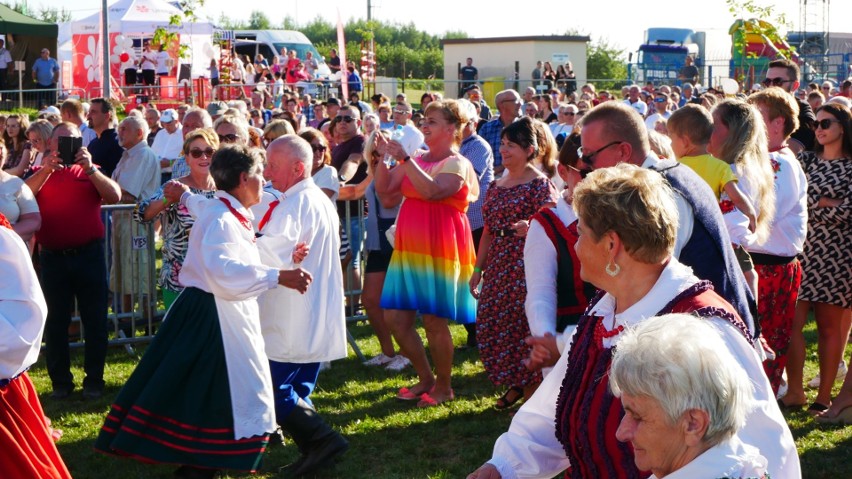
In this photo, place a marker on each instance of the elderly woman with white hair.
(685, 397)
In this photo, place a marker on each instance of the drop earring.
(612, 268)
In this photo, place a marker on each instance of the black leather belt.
(72, 251)
(503, 233)
(771, 260)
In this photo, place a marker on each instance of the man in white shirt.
(635, 102)
(168, 143)
(661, 107)
(311, 65)
(299, 331)
(137, 173)
(412, 138)
(565, 116)
(163, 60)
(148, 62)
(5, 60)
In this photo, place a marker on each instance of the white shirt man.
(301, 331)
(169, 141)
(635, 102)
(163, 60)
(661, 103)
(565, 115)
(5, 60)
(412, 138)
(311, 65)
(138, 175)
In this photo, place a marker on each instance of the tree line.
(402, 50)
(49, 14)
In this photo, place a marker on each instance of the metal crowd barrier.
(138, 325)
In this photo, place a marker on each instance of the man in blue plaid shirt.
(478, 151)
(509, 108)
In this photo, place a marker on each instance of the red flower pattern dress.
(501, 323)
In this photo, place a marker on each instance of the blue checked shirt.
(490, 132)
(477, 150)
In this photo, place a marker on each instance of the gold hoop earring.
(612, 268)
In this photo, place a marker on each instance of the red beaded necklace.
(242, 219)
(600, 333)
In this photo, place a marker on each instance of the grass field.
(389, 438)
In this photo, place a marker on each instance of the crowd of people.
(676, 250)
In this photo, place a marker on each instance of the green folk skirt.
(176, 406)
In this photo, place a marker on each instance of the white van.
(269, 44)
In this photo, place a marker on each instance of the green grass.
(388, 438)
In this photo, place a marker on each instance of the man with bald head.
(300, 332)
(509, 109)
(614, 132)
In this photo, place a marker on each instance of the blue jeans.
(356, 239)
(291, 382)
(65, 275)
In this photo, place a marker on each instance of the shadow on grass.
(446, 447)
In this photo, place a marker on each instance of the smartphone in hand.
(68, 148)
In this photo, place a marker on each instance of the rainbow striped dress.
(433, 255)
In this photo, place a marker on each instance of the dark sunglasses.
(589, 159)
(347, 118)
(659, 100)
(569, 113)
(825, 123)
(229, 138)
(198, 152)
(319, 148)
(775, 81)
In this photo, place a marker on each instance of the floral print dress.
(501, 323)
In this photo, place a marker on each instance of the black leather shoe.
(190, 472)
(321, 454)
(92, 393)
(61, 393)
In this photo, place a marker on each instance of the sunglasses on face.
(590, 158)
(659, 100)
(319, 148)
(825, 123)
(569, 113)
(198, 152)
(229, 138)
(347, 118)
(778, 81)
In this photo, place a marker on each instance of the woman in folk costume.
(26, 446)
(201, 397)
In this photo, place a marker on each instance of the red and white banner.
(341, 52)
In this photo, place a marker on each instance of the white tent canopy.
(133, 21)
(132, 17)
